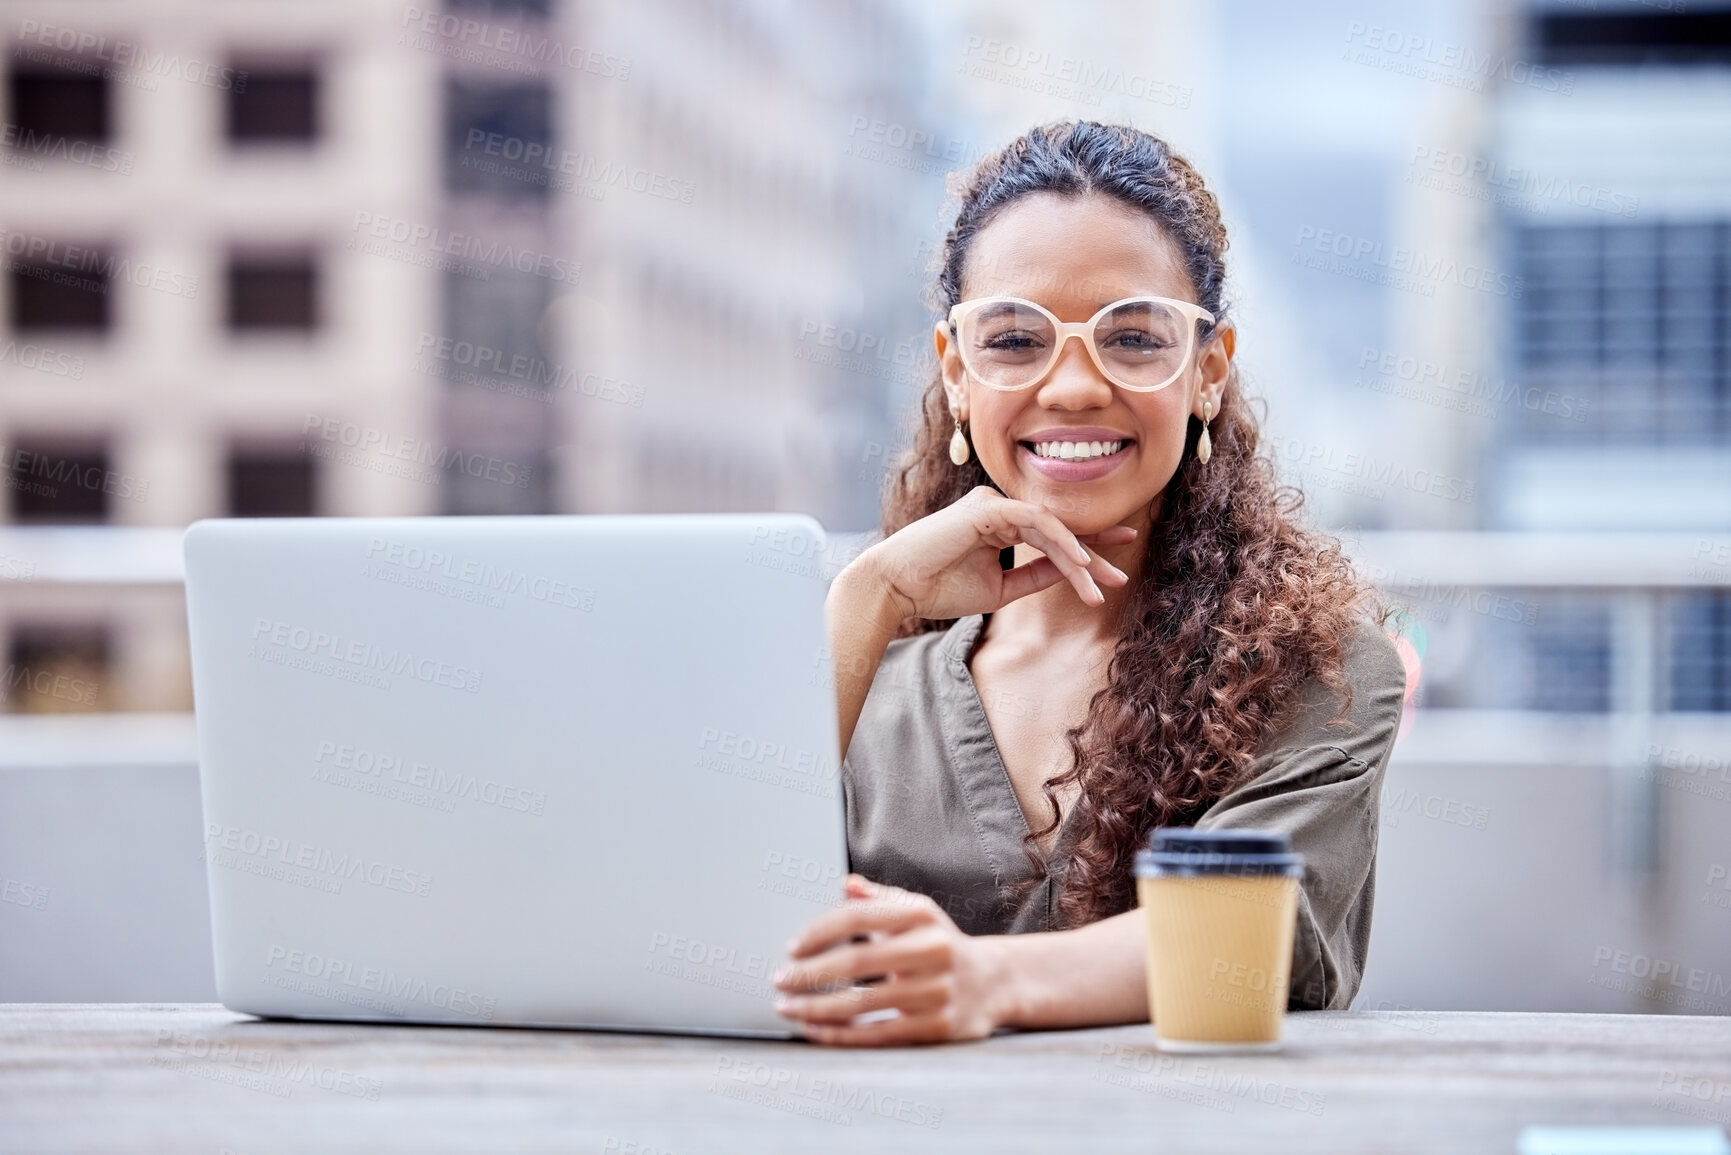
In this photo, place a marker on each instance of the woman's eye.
(1135, 339)
(1011, 340)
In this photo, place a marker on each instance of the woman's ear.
(1215, 365)
(950, 368)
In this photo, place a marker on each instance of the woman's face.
(1074, 255)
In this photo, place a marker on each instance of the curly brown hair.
(1237, 604)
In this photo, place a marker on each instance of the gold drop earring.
(958, 442)
(1205, 447)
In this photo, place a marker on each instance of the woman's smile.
(1081, 454)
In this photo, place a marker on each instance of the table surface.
(142, 1077)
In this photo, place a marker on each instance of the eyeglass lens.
(1141, 343)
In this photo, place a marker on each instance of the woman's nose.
(1074, 381)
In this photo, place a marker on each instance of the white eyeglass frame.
(1083, 329)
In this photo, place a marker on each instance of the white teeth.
(1075, 450)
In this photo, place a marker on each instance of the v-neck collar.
(984, 777)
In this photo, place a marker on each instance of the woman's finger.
(861, 916)
(1030, 579)
(926, 1027)
(911, 953)
(907, 995)
(1043, 530)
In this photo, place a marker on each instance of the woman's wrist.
(1003, 980)
(1084, 977)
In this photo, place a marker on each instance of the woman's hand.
(945, 565)
(941, 984)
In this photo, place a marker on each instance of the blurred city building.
(382, 259)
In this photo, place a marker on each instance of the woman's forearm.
(1092, 976)
(861, 618)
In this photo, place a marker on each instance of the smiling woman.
(1019, 730)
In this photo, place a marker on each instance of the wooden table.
(199, 1078)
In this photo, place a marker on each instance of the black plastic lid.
(1186, 850)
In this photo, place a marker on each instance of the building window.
(274, 106)
(1672, 38)
(56, 484)
(56, 670)
(65, 287)
(274, 292)
(1700, 675)
(271, 483)
(499, 139)
(48, 104)
(1632, 320)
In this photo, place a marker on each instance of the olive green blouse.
(930, 807)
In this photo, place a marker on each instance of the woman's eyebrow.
(998, 309)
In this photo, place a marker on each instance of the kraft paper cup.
(1221, 909)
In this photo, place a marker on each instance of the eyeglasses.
(1139, 343)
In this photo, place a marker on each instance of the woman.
(1168, 648)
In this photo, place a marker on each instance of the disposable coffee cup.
(1221, 908)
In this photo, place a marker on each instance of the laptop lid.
(557, 771)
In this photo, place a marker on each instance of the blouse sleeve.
(1322, 786)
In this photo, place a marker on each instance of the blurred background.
(359, 258)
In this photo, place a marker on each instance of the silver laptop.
(573, 771)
